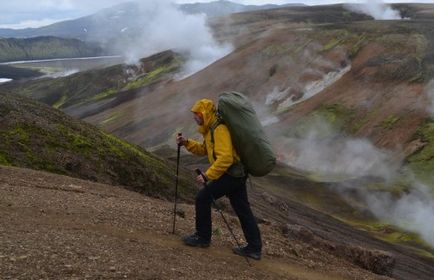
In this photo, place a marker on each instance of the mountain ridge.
(45, 47)
(88, 28)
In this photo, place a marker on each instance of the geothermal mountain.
(346, 101)
(112, 22)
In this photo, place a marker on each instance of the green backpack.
(247, 135)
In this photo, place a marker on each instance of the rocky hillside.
(12, 49)
(55, 227)
(36, 136)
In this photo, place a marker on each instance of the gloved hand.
(180, 140)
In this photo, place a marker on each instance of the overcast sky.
(31, 13)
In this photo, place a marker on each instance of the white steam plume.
(375, 8)
(412, 211)
(332, 157)
(163, 26)
(327, 155)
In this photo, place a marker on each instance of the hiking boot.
(196, 241)
(247, 252)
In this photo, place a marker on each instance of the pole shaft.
(176, 187)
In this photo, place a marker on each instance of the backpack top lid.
(247, 133)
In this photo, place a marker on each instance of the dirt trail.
(56, 227)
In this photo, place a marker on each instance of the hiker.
(225, 176)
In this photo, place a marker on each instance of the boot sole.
(253, 257)
(197, 245)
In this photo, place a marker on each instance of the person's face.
(198, 118)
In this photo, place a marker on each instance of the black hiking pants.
(235, 189)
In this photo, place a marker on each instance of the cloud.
(31, 23)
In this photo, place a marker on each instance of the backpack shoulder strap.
(212, 128)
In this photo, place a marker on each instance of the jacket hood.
(207, 108)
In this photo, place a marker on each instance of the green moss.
(332, 43)
(422, 161)
(276, 50)
(336, 115)
(60, 102)
(72, 140)
(395, 235)
(105, 94)
(285, 49)
(113, 117)
(19, 135)
(356, 46)
(3, 159)
(123, 148)
(389, 122)
(152, 76)
(81, 142)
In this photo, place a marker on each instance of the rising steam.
(412, 211)
(163, 26)
(330, 157)
(375, 8)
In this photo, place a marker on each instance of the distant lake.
(66, 66)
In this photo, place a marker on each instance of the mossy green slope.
(45, 48)
(421, 161)
(36, 136)
(95, 85)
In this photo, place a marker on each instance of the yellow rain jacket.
(222, 148)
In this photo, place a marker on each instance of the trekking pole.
(220, 211)
(176, 184)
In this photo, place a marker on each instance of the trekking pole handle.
(179, 135)
(198, 172)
